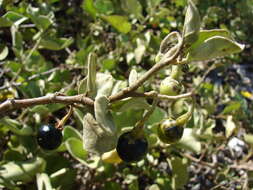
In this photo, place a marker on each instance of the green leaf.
(120, 23)
(75, 148)
(70, 132)
(103, 115)
(132, 103)
(12, 155)
(17, 41)
(249, 139)
(104, 6)
(53, 43)
(39, 19)
(91, 76)
(88, 5)
(43, 181)
(4, 22)
(82, 86)
(231, 107)
(63, 173)
(17, 127)
(12, 18)
(118, 86)
(109, 64)
(40, 109)
(216, 46)
(205, 34)
(104, 84)
(132, 7)
(133, 77)
(154, 187)
(21, 171)
(158, 115)
(179, 172)
(96, 138)
(127, 118)
(31, 89)
(3, 52)
(191, 23)
(189, 141)
(139, 51)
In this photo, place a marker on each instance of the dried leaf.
(230, 126)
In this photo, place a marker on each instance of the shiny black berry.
(131, 149)
(168, 133)
(49, 137)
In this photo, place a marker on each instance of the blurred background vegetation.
(43, 49)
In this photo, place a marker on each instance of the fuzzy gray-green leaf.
(191, 23)
(103, 115)
(23, 171)
(95, 138)
(133, 77)
(91, 79)
(216, 46)
(82, 86)
(105, 84)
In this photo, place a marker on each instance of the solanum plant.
(101, 98)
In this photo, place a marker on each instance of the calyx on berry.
(49, 137)
(170, 131)
(132, 147)
(111, 157)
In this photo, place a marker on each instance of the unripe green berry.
(168, 132)
(170, 87)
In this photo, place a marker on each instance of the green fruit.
(170, 87)
(168, 132)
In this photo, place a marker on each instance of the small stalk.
(62, 122)
(176, 71)
(138, 129)
(185, 117)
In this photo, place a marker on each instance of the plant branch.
(12, 104)
(152, 94)
(157, 67)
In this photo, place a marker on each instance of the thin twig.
(160, 96)
(12, 104)
(198, 161)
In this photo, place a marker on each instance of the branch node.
(12, 102)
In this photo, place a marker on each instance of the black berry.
(49, 137)
(131, 149)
